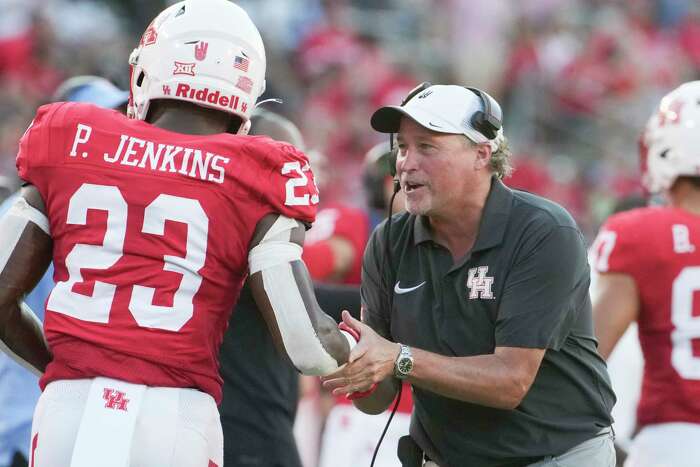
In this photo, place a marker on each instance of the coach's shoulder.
(542, 211)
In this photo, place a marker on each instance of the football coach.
(478, 297)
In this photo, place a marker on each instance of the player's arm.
(284, 294)
(615, 307)
(25, 255)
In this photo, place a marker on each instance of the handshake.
(371, 360)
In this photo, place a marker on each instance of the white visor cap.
(441, 108)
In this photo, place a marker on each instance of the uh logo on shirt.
(479, 284)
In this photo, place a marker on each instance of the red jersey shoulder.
(285, 179)
(616, 247)
(54, 127)
(34, 144)
(631, 240)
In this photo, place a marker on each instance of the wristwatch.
(404, 362)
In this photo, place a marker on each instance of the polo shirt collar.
(493, 220)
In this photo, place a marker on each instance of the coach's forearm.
(380, 399)
(482, 379)
(22, 337)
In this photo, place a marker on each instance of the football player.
(153, 223)
(648, 260)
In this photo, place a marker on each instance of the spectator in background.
(19, 389)
(26, 48)
(689, 34)
(334, 244)
(321, 55)
(347, 72)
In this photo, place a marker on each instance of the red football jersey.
(347, 222)
(151, 230)
(659, 247)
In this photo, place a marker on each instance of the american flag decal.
(241, 63)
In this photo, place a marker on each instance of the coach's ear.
(483, 156)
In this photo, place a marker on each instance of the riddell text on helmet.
(204, 95)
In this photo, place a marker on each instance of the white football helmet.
(207, 52)
(670, 142)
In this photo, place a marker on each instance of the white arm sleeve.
(14, 222)
(272, 257)
(20, 208)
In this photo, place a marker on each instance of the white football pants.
(109, 423)
(350, 437)
(666, 445)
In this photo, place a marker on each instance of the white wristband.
(350, 338)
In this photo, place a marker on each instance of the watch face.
(405, 365)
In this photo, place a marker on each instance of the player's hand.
(370, 361)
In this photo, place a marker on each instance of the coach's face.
(438, 170)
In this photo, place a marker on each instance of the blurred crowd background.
(576, 78)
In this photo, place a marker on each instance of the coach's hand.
(370, 361)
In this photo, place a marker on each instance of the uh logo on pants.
(115, 400)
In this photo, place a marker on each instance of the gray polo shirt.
(523, 284)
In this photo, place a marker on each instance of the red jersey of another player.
(336, 220)
(659, 247)
(151, 233)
